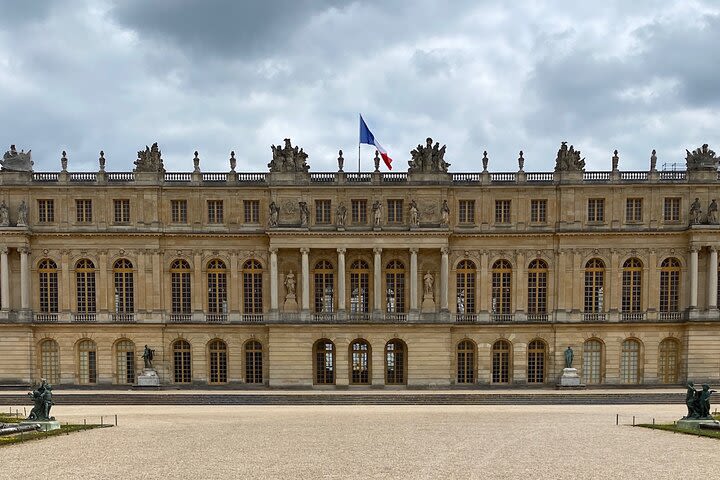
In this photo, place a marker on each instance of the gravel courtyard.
(199, 442)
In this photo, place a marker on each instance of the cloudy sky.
(221, 75)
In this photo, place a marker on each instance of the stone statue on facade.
(428, 158)
(569, 356)
(414, 215)
(377, 213)
(615, 161)
(42, 400)
(288, 159)
(712, 215)
(341, 215)
(304, 214)
(4, 215)
(147, 356)
(521, 162)
(695, 212)
(150, 160)
(290, 284)
(653, 161)
(22, 214)
(568, 159)
(701, 159)
(376, 161)
(445, 214)
(14, 161)
(341, 161)
(274, 214)
(698, 402)
(485, 161)
(428, 282)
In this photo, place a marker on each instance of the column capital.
(377, 250)
(273, 250)
(445, 251)
(414, 250)
(24, 250)
(304, 250)
(694, 248)
(341, 250)
(4, 250)
(712, 248)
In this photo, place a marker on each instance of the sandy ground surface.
(414, 442)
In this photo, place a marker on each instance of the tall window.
(324, 287)
(50, 361)
(538, 211)
(359, 287)
(596, 210)
(671, 210)
(46, 211)
(466, 212)
(252, 211)
(125, 362)
(395, 365)
(124, 286)
(465, 287)
(466, 362)
(395, 287)
(630, 361)
(324, 354)
(358, 211)
(501, 286)
(253, 362)
(594, 286)
(502, 211)
(180, 290)
(670, 285)
(592, 361)
(48, 282)
(178, 211)
(631, 285)
(217, 287)
(252, 287)
(215, 211)
(395, 211)
(83, 211)
(537, 286)
(85, 286)
(322, 212)
(182, 362)
(87, 362)
(359, 362)
(537, 351)
(633, 210)
(218, 361)
(669, 361)
(122, 210)
(501, 362)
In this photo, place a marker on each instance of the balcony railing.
(45, 177)
(178, 177)
(251, 177)
(594, 317)
(670, 316)
(466, 177)
(84, 317)
(180, 317)
(123, 317)
(596, 176)
(359, 316)
(539, 177)
(502, 317)
(358, 177)
(121, 176)
(634, 176)
(502, 177)
(216, 317)
(632, 316)
(675, 176)
(253, 317)
(322, 177)
(83, 177)
(398, 177)
(465, 317)
(46, 317)
(537, 317)
(214, 177)
(396, 317)
(323, 317)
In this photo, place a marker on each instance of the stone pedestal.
(148, 378)
(694, 424)
(428, 304)
(45, 425)
(290, 304)
(570, 379)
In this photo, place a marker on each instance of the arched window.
(180, 289)
(324, 354)
(537, 287)
(87, 362)
(48, 281)
(594, 286)
(85, 286)
(395, 362)
(217, 287)
(359, 287)
(668, 364)
(124, 286)
(630, 361)
(631, 286)
(324, 287)
(501, 287)
(501, 362)
(359, 362)
(252, 287)
(125, 362)
(395, 287)
(465, 287)
(592, 361)
(50, 361)
(218, 362)
(182, 362)
(670, 285)
(537, 352)
(466, 354)
(253, 362)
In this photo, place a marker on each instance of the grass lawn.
(23, 437)
(670, 427)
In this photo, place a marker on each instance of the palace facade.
(421, 278)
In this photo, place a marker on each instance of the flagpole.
(358, 157)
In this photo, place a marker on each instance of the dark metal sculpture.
(42, 399)
(148, 355)
(698, 402)
(569, 355)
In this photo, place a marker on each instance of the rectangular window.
(633, 210)
(83, 211)
(671, 210)
(596, 210)
(46, 211)
(322, 212)
(178, 211)
(358, 211)
(395, 211)
(502, 211)
(252, 211)
(538, 211)
(466, 212)
(215, 211)
(122, 211)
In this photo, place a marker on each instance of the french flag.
(366, 136)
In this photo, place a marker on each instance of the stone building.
(422, 278)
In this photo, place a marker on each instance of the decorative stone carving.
(64, 161)
(196, 163)
(377, 213)
(290, 284)
(341, 214)
(14, 161)
(485, 161)
(428, 159)
(288, 159)
(712, 215)
(101, 161)
(274, 214)
(568, 159)
(615, 160)
(233, 161)
(341, 161)
(445, 213)
(414, 216)
(22, 214)
(428, 303)
(701, 159)
(150, 160)
(376, 160)
(4, 215)
(304, 214)
(429, 282)
(521, 162)
(695, 212)
(653, 161)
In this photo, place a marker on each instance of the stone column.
(693, 277)
(444, 261)
(305, 278)
(4, 279)
(341, 279)
(24, 278)
(712, 279)
(103, 285)
(377, 279)
(413, 280)
(273, 280)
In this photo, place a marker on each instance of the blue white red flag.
(367, 137)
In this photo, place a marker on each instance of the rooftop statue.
(150, 160)
(428, 159)
(568, 159)
(17, 162)
(701, 159)
(288, 159)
